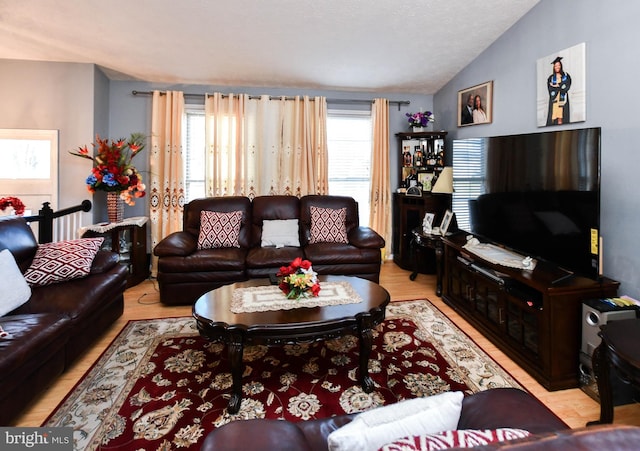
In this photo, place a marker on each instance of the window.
(349, 143)
(468, 179)
(194, 154)
(348, 140)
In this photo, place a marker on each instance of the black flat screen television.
(537, 194)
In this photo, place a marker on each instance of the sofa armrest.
(611, 436)
(508, 408)
(104, 261)
(365, 237)
(176, 244)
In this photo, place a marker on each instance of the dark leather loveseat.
(490, 409)
(185, 272)
(56, 324)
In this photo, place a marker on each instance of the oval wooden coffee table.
(217, 322)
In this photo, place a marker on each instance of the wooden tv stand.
(533, 316)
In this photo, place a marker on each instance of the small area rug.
(160, 386)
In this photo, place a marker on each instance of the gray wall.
(53, 96)
(609, 29)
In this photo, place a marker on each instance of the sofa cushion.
(328, 225)
(464, 438)
(280, 233)
(219, 229)
(375, 428)
(14, 290)
(62, 261)
(274, 258)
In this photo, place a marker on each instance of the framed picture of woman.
(475, 105)
(562, 93)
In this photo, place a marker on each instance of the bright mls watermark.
(50, 439)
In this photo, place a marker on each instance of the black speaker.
(595, 313)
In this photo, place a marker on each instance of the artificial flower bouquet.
(420, 119)
(13, 202)
(112, 169)
(298, 280)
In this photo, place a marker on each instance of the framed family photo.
(562, 90)
(446, 222)
(475, 105)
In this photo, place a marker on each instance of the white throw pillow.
(280, 233)
(374, 428)
(14, 290)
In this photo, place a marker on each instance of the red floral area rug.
(160, 386)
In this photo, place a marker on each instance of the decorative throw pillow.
(218, 229)
(14, 290)
(464, 438)
(375, 428)
(62, 261)
(280, 233)
(328, 225)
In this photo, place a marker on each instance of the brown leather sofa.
(186, 272)
(490, 409)
(56, 324)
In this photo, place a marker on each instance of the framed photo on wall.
(475, 105)
(562, 89)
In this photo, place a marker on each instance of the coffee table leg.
(236, 345)
(366, 341)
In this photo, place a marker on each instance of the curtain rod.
(343, 101)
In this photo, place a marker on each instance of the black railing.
(46, 215)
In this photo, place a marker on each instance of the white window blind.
(468, 178)
(194, 145)
(349, 144)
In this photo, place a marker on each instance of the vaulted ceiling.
(355, 45)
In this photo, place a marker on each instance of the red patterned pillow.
(328, 225)
(218, 229)
(62, 260)
(464, 438)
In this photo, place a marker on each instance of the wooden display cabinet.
(534, 316)
(421, 154)
(408, 213)
(421, 157)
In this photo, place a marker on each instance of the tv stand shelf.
(532, 316)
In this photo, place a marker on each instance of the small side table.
(427, 241)
(128, 239)
(618, 349)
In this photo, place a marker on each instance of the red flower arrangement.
(298, 279)
(18, 206)
(112, 168)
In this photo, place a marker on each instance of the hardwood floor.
(142, 302)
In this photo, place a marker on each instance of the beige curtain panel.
(265, 146)
(166, 193)
(380, 200)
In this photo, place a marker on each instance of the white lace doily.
(106, 226)
(270, 298)
(499, 256)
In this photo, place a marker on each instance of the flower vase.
(115, 206)
(419, 129)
